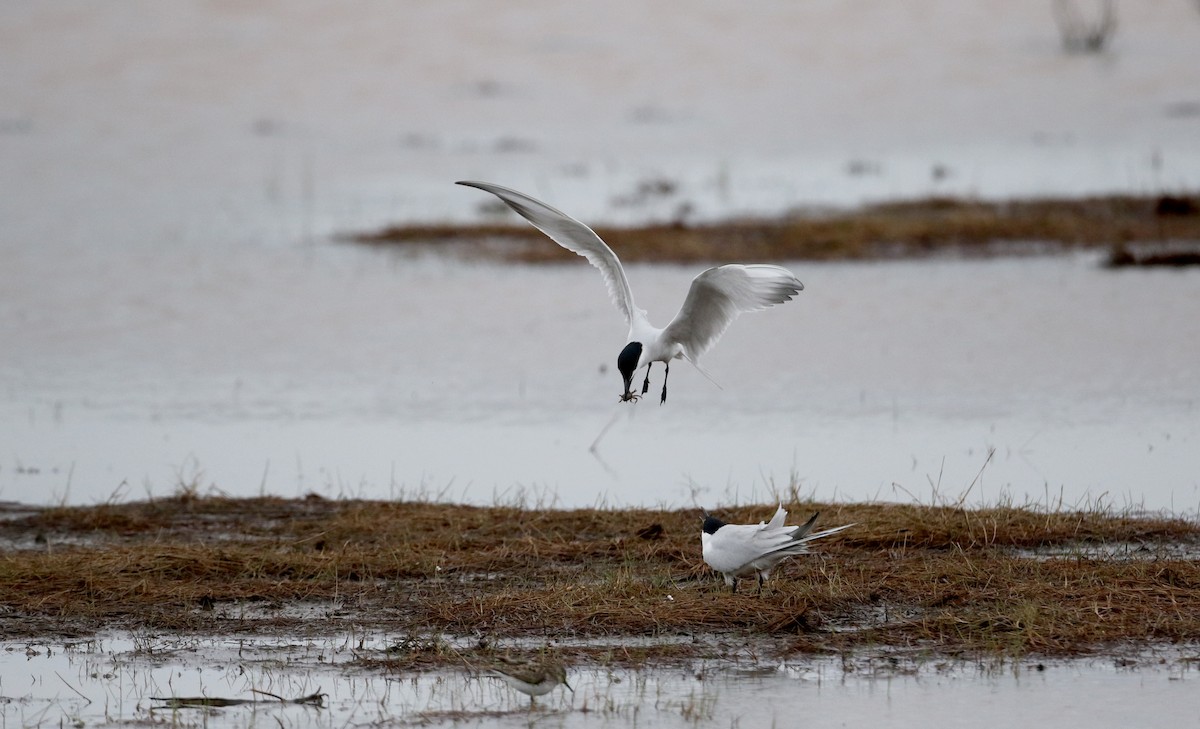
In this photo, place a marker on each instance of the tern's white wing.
(719, 294)
(777, 520)
(781, 516)
(575, 237)
(734, 546)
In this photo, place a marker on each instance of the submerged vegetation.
(1001, 580)
(927, 227)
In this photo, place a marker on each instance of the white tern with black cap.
(742, 550)
(717, 296)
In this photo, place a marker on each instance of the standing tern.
(741, 550)
(714, 300)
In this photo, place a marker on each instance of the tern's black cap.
(712, 524)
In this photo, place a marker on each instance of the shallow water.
(352, 372)
(173, 313)
(211, 117)
(116, 680)
(388, 377)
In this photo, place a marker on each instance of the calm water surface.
(356, 372)
(115, 680)
(175, 310)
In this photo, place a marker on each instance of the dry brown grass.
(891, 230)
(945, 578)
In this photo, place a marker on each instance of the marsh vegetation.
(618, 586)
(886, 230)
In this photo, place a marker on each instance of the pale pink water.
(172, 308)
(113, 679)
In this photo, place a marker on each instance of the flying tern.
(717, 296)
(742, 550)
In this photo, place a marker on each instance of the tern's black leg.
(664, 395)
(760, 583)
(733, 587)
(646, 384)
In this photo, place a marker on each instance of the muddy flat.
(623, 586)
(1135, 230)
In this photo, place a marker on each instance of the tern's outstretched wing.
(719, 294)
(575, 237)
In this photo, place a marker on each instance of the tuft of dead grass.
(1003, 580)
(901, 229)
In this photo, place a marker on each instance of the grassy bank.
(925, 227)
(1002, 580)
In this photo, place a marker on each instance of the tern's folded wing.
(734, 546)
(777, 520)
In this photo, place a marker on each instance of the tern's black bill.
(627, 363)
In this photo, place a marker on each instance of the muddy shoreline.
(1150, 230)
(451, 583)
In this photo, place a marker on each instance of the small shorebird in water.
(531, 678)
